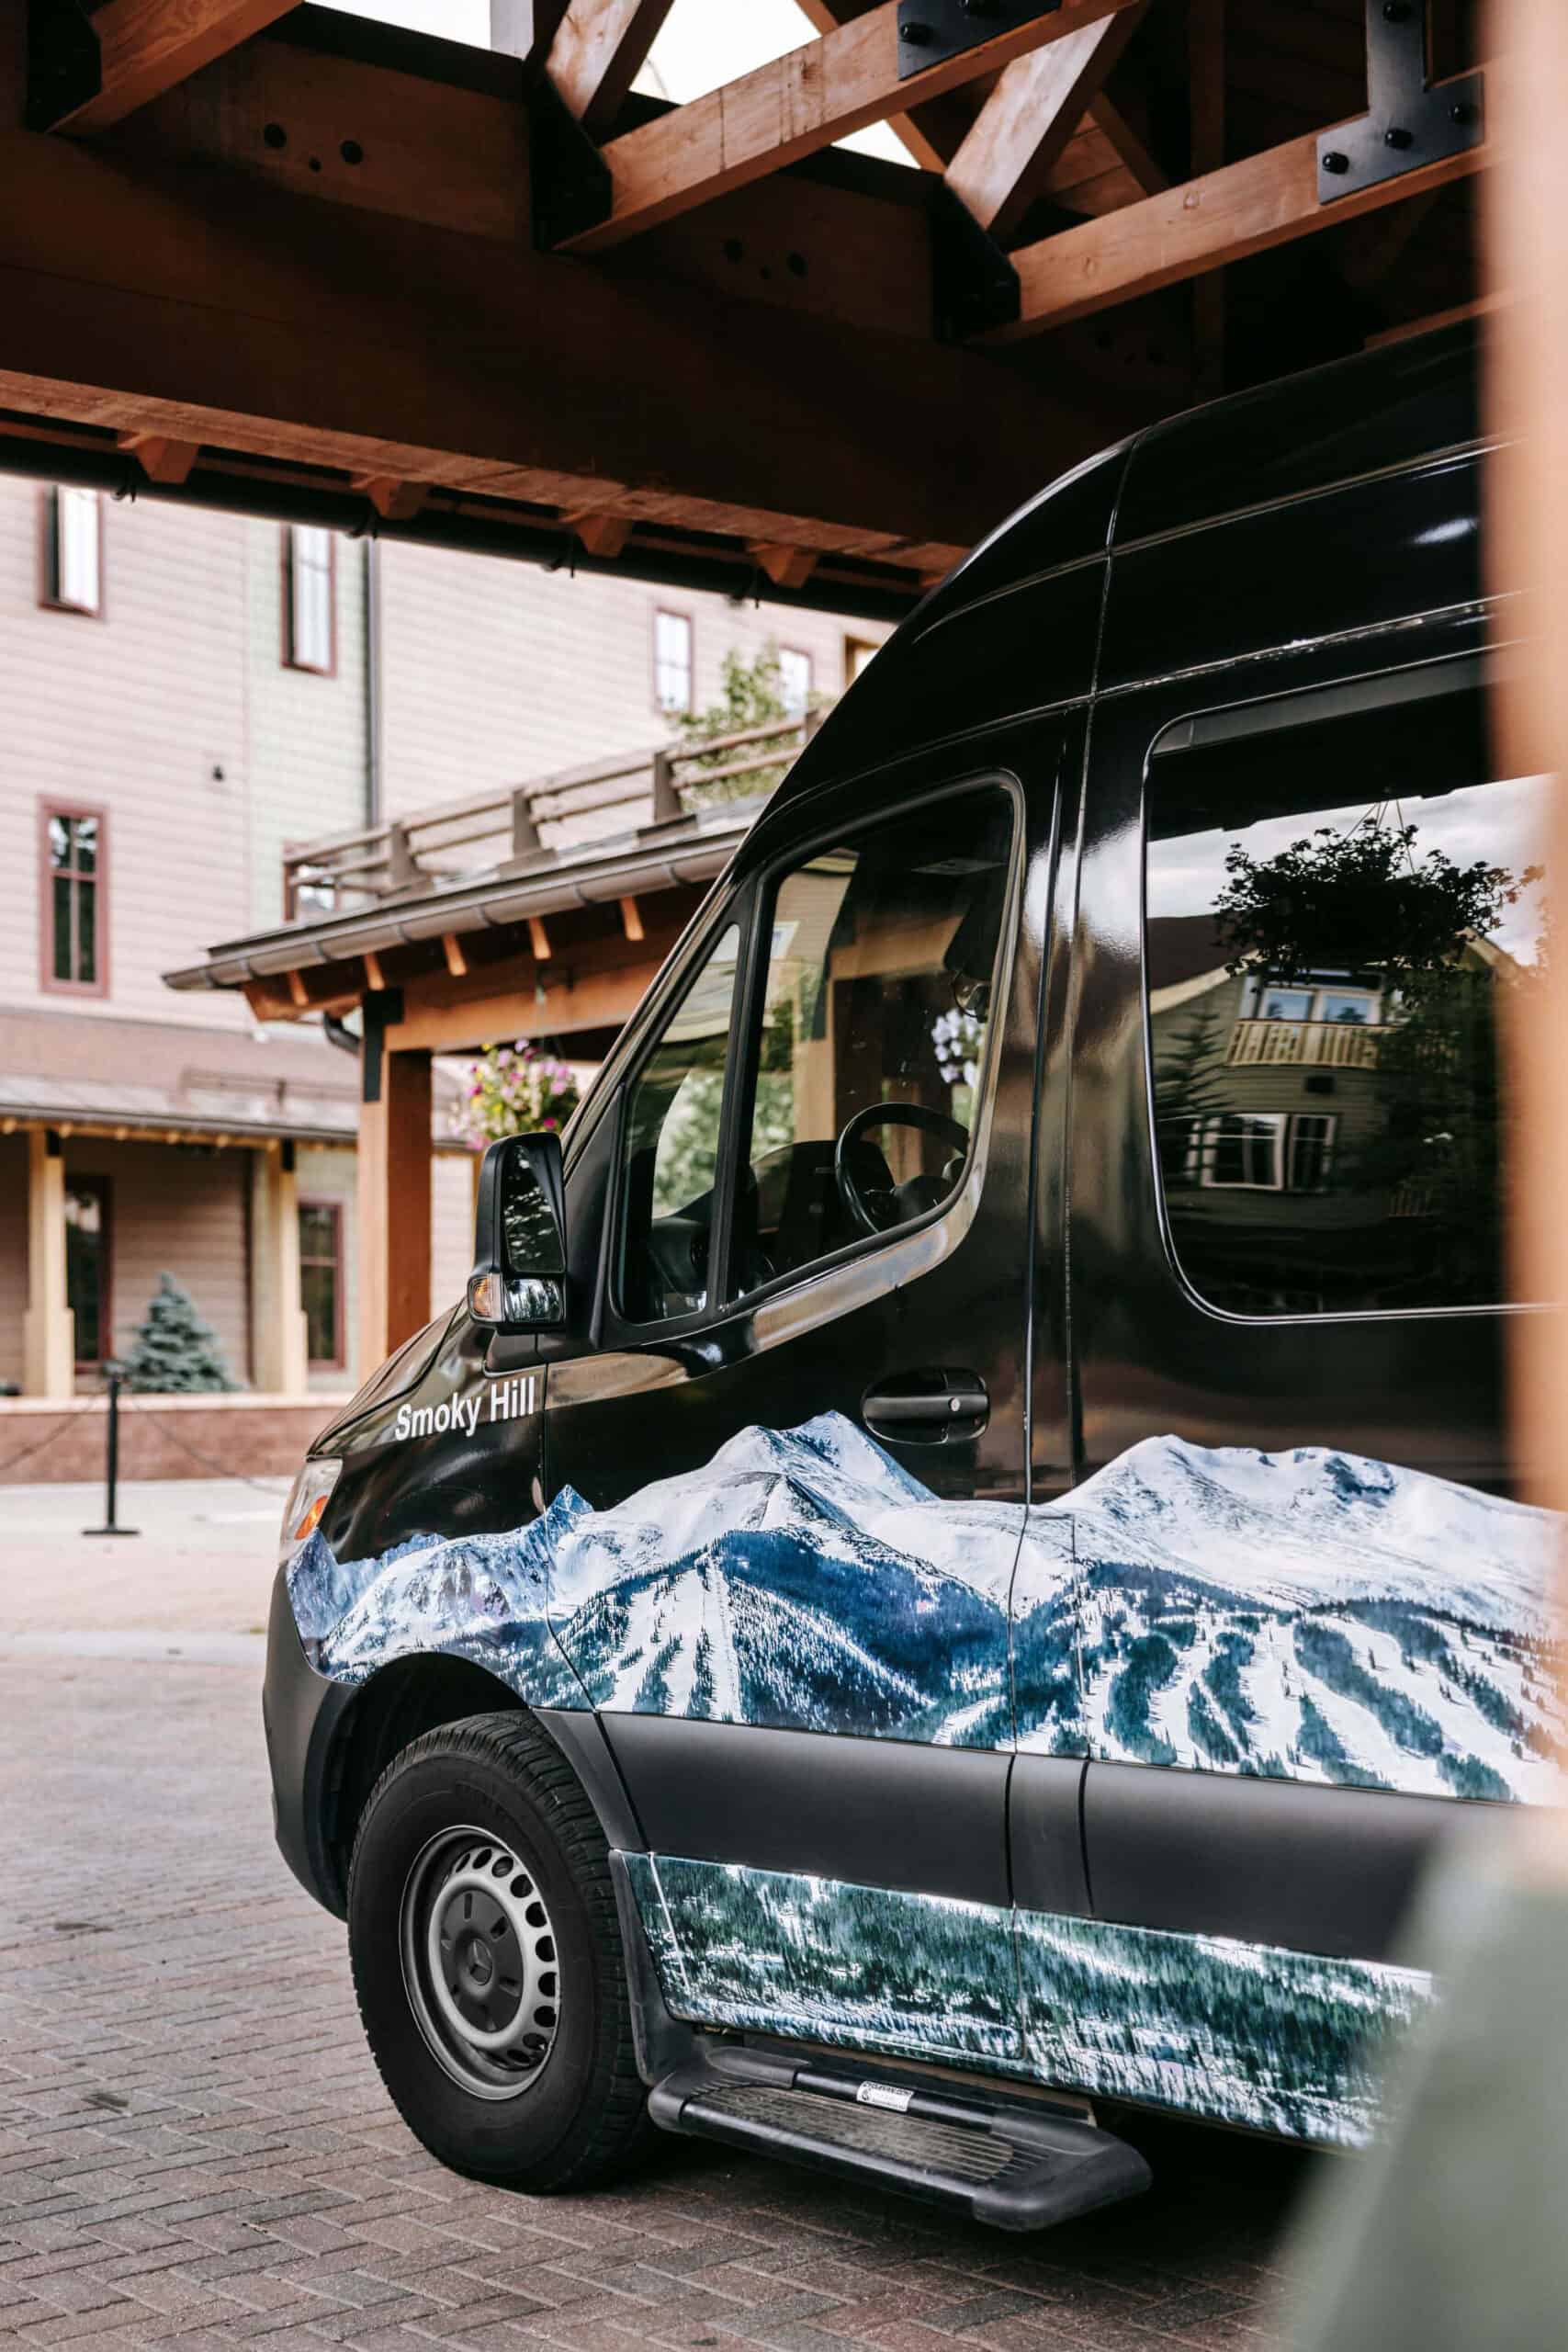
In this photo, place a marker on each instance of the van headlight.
(302, 1512)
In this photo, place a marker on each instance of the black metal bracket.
(64, 62)
(1407, 122)
(974, 284)
(931, 31)
(569, 179)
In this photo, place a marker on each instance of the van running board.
(1016, 2164)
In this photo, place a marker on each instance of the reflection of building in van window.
(1330, 1119)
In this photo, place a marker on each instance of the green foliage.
(513, 1090)
(1358, 902)
(1188, 1086)
(176, 1355)
(751, 695)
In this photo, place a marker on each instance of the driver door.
(803, 1431)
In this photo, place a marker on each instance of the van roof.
(1388, 409)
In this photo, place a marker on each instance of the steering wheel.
(876, 1207)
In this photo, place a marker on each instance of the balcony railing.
(1329, 1045)
(519, 824)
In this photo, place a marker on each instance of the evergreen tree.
(176, 1352)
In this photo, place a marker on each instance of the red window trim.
(47, 981)
(286, 582)
(335, 1362)
(76, 1182)
(48, 601)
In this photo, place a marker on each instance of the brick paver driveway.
(195, 2147)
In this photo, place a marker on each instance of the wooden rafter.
(1019, 135)
(794, 107)
(147, 46)
(1225, 216)
(931, 133)
(600, 48)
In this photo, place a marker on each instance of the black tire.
(582, 2117)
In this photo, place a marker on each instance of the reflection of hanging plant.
(1357, 901)
(959, 1039)
(513, 1090)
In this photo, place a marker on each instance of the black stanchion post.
(111, 1465)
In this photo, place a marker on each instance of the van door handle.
(927, 1407)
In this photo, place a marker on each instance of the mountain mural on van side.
(1309, 1614)
(1278, 2041)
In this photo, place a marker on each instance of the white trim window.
(75, 550)
(673, 662)
(312, 631)
(1346, 1003)
(1242, 1151)
(796, 680)
(1311, 1150)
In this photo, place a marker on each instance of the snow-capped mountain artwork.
(1310, 1615)
(800, 1579)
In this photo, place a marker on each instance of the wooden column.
(279, 1346)
(48, 1329)
(394, 1193)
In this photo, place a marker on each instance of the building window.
(87, 1267)
(1243, 1150)
(794, 679)
(310, 599)
(76, 941)
(1311, 1150)
(858, 651)
(320, 1280)
(74, 550)
(672, 664)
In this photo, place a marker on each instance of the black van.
(959, 1553)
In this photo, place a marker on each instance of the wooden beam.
(794, 107)
(452, 949)
(604, 535)
(931, 134)
(393, 1187)
(374, 977)
(631, 919)
(600, 48)
(596, 1000)
(1131, 152)
(142, 294)
(160, 459)
(146, 45)
(1482, 308)
(538, 939)
(785, 566)
(298, 992)
(394, 500)
(1019, 135)
(1248, 207)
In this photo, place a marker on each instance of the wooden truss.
(268, 255)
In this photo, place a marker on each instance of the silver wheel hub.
(479, 1964)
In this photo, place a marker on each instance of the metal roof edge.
(694, 849)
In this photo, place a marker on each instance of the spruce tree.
(176, 1352)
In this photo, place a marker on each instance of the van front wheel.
(486, 1959)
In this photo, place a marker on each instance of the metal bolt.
(915, 33)
(978, 7)
(1461, 114)
(1397, 137)
(1335, 162)
(1395, 12)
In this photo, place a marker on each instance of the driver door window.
(875, 1005)
(670, 1149)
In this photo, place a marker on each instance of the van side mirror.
(519, 1278)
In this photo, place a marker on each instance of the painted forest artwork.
(1283, 2041)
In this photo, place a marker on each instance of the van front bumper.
(301, 1714)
